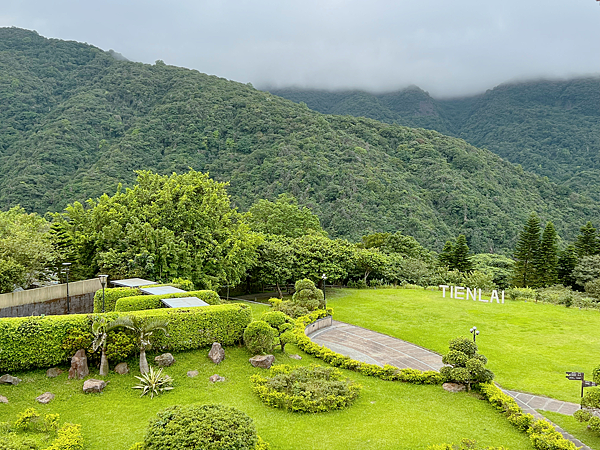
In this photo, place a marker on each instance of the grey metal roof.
(132, 282)
(161, 290)
(183, 302)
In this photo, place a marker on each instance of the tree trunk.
(103, 363)
(279, 290)
(143, 362)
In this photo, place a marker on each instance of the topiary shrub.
(305, 389)
(465, 366)
(582, 415)
(307, 298)
(283, 325)
(259, 337)
(201, 427)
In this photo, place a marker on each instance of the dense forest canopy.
(551, 128)
(76, 122)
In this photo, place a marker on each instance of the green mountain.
(551, 128)
(76, 121)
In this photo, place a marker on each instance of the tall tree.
(526, 251)
(446, 257)
(461, 255)
(547, 259)
(587, 243)
(567, 261)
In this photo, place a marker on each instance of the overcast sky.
(449, 48)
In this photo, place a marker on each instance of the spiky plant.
(143, 330)
(154, 382)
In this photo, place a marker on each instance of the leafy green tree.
(446, 257)
(369, 261)
(547, 258)
(26, 252)
(283, 218)
(498, 267)
(461, 256)
(275, 261)
(526, 253)
(164, 227)
(587, 269)
(587, 242)
(567, 261)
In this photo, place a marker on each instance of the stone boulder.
(53, 372)
(215, 378)
(45, 398)
(298, 357)
(216, 353)
(92, 385)
(3, 399)
(79, 367)
(192, 373)
(262, 361)
(454, 387)
(9, 379)
(164, 360)
(122, 368)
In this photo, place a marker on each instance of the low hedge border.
(542, 434)
(143, 302)
(37, 342)
(386, 372)
(309, 400)
(111, 296)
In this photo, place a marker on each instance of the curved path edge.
(372, 347)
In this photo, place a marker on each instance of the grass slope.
(387, 415)
(579, 430)
(529, 345)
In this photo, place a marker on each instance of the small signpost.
(580, 376)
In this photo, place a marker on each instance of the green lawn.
(529, 345)
(387, 415)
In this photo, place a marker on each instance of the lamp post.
(66, 272)
(475, 332)
(324, 277)
(103, 279)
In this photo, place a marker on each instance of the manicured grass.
(529, 345)
(387, 415)
(579, 430)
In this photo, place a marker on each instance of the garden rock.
(216, 353)
(9, 379)
(216, 378)
(53, 372)
(454, 387)
(262, 361)
(45, 398)
(122, 368)
(92, 385)
(164, 360)
(192, 373)
(3, 399)
(296, 357)
(79, 367)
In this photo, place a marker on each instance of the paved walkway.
(376, 348)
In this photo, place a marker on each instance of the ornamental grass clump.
(154, 382)
(305, 389)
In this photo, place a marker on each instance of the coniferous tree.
(461, 257)
(587, 243)
(446, 257)
(526, 252)
(567, 260)
(547, 259)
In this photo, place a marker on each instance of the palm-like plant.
(144, 331)
(100, 331)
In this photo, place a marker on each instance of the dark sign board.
(575, 375)
(589, 384)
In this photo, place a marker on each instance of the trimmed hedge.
(542, 434)
(37, 342)
(386, 372)
(111, 295)
(142, 302)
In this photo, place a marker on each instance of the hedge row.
(111, 295)
(542, 434)
(386, 372)
(40, 342)
(142, 302)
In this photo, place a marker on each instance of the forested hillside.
(551, 128)
(75, 122)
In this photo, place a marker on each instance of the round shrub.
(202, 427)
(591, 399)
(259, 337)
(582, 415)
(463, 344)
(305, 389)
(307, 295)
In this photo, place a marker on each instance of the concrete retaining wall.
(316, 326)
(51, 300)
